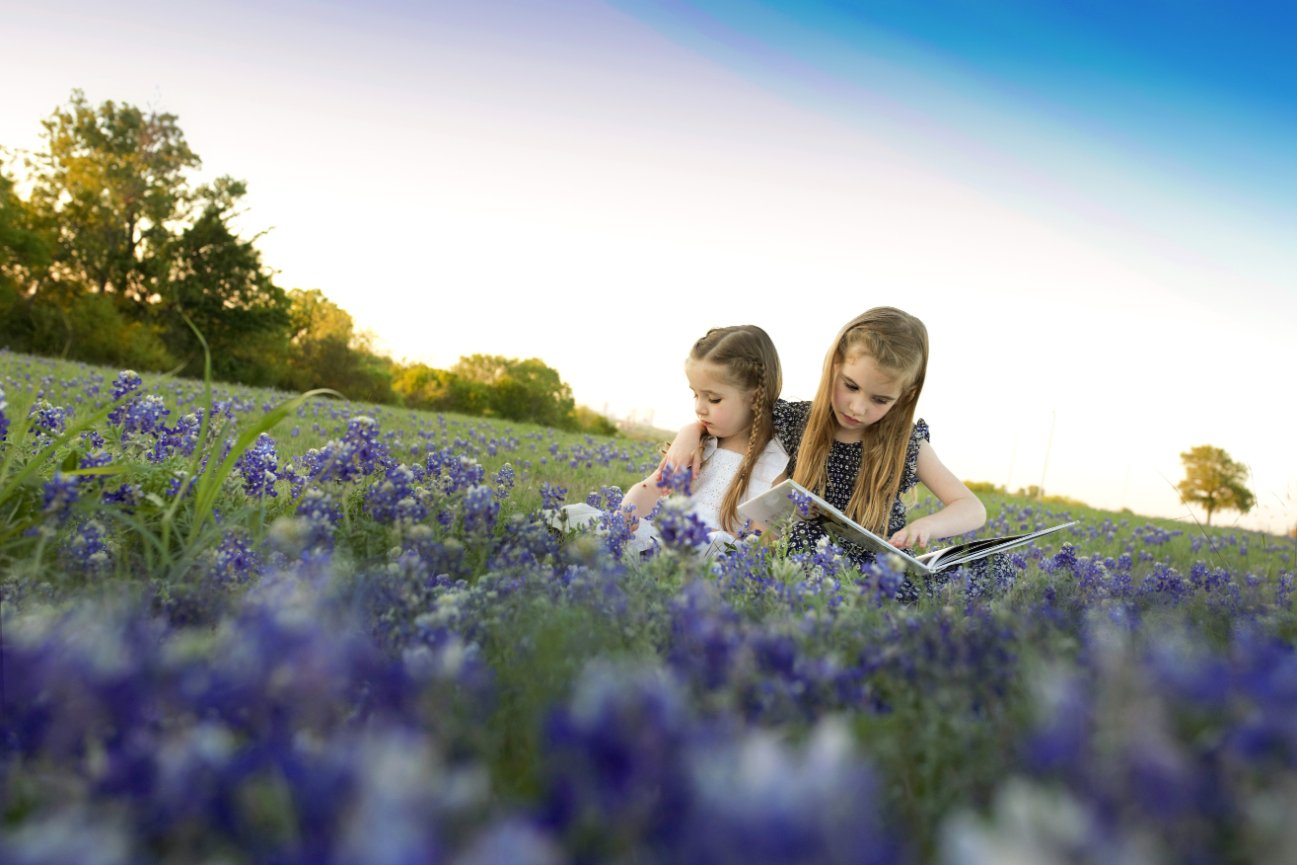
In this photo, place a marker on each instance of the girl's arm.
(962, 511)
(643, 497)
(686, 448)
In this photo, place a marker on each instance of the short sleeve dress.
(843, 467)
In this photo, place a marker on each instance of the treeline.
(111, 255)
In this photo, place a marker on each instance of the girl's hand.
(686, 449)
(916, 534)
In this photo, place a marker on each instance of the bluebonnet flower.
(127, 381)
(551, 496)
(86, 550)
(677, 480)
(505, 479)
(144, 416)
(235, 561)
(608, 498)
(46, 419)
(359, 454)
(457, 473)
(757, 800)
(182, 439)
(4, 418)
(126, 495)
(259, 466)
(480, 510)
(396, 497)
(616, 773)
(802, 502)
(615, 527)
(322, 516)
(678, 527)
(59, 494)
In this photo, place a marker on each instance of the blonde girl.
(735, 378)
(857, 442)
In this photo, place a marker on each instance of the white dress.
(718, 469)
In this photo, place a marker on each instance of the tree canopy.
(1214, 481)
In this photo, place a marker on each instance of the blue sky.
(1090, 204)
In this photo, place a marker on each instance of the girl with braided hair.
(735, 378)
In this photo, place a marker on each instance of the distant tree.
(326, 351)
(24, 248)
(1214, 481)
(588, 420)
(423, 387)
(217, 281)
(524, 390)
(112, 181)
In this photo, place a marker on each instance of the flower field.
(248, 626)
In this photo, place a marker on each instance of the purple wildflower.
(679, 528)
(551, 496)
(259, 466)
(59, 495)
(677, 480)
(802, 502)
(396, 497)
(86, 551)
(236, 562)
(480, 509)
(127, 380)
(47, 419)
(504, 479)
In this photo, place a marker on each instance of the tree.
(1214, 481)
(112, 180)
(325, 351)
(525, 390)
(217, 281)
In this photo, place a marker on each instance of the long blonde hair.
(750, 362)
(898, 343)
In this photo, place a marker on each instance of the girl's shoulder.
(791, 415)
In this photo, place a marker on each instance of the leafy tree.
(326, 351)
(111, 180)
(24, 249)
(1214, 481)
(525, 390)
(217, 281)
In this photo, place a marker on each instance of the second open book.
(776, 505)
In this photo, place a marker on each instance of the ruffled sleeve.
(910, 475)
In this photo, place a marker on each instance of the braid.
(758, 438)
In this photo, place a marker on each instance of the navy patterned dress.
(843, 466)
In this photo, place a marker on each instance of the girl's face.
(863, 394)
(724, 409)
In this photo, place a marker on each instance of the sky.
(1090, 204)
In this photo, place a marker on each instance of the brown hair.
(751, 363)
(898, 343)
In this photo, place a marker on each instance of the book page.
(774, 506)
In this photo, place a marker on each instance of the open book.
(776, 505)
